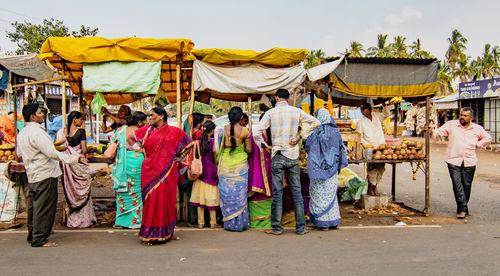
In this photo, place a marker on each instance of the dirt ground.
(407, 190)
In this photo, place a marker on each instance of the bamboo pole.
(39, 82)
(329, 94)
(250, 113)
(427, 156)
(63, 91)
(178, 90)
(191, 105)
(295, 96)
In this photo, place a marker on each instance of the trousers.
(42, 204)
(461, 177)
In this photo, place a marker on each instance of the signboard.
(479, 89)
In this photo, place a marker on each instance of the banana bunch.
(395, 100)
(6, 147)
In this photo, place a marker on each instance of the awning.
(272, 57)
(449, 102)
(29, 66)
(70, 53)
(387, 80)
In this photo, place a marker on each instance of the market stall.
(378, 80)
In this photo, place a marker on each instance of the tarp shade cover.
(76, 51)
(29, 66)
(449, 102)
(271, 57)
(131, 77)
(246, 78)
(98, 49)
(319, 72)
(386, 79)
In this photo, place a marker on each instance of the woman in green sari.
(126, 174)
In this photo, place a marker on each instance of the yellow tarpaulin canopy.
(69, 54)
(271, 57)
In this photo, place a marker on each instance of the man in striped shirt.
(284, 121)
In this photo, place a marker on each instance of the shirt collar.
(282, 103)
(469, 127)
(35, 125)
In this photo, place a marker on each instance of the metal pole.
(178, 90)
(427, 156)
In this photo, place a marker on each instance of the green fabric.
(117, 76)
(260, 213)
(98, 102)
(235, 158)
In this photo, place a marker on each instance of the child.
(205, 192)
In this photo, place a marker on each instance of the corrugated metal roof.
(389, 60)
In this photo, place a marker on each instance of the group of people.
(244, 175)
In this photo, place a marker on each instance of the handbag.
(196, 167)
(110, 152)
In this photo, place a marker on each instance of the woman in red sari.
(164, 147)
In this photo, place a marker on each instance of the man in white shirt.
(41, 161)
(284, 121)
(370, 127)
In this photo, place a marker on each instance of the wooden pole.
(396, 111)
(311, 99)
(14, 97)
(63, 92)
(178, 90)
(191, 105)
(427, 156)
(38, 82)
(395, 135)
(80, 102)
(249, 113)
(295, 96)
(329, 94)
(45, 101)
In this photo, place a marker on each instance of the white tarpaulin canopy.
(450, 102)
(29, 66)
(254, 78)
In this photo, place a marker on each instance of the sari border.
(228, 218)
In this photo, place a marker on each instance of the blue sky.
(260, 25)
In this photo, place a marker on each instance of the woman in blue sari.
(126, 174)
(326, 157)
(232, 146)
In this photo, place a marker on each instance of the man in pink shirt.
(464, 137)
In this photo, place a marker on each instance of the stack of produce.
(7, 152)
(406, 150)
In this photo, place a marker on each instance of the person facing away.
(370, 127)
(41, 161)
(464, 137)
(233, 146)
(284, 121)
(205, 194)
(80, 209)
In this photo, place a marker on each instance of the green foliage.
(30, 37)
(314, 57)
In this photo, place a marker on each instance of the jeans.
(461, 177)
(42, 205)
(279, 165)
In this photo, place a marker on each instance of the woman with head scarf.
(326, 157)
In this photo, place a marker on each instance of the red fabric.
(197, 135)
(159, 197)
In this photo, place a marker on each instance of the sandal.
(272, 232)
(50, 244)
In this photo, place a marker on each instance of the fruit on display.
(406, 150)
(58, 142)
(7, 153)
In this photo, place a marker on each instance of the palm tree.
(399, 47)
(445, 79)
(465, 70)
(416, 50)
(457, 46)
(488, 63)
(314, 58)
(355, 49)
(381, 50)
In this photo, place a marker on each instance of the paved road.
(447, 250)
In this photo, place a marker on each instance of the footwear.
(215, 226)
(304, 232)
(461, 215)
(272, 232)
(200, 226)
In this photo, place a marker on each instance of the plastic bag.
(98, 102)
(356, 186)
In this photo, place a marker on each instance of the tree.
(465, 70)
(355, 49)
(416, 50)
(381, 50)
(315, 57)
(488, 63)
(399, 47)
(30, 37)
(445, 79)
(457, 46)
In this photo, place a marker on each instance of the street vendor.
(370, 127)
(119, 119)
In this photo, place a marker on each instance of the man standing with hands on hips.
(463, 138)
(41, 161)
